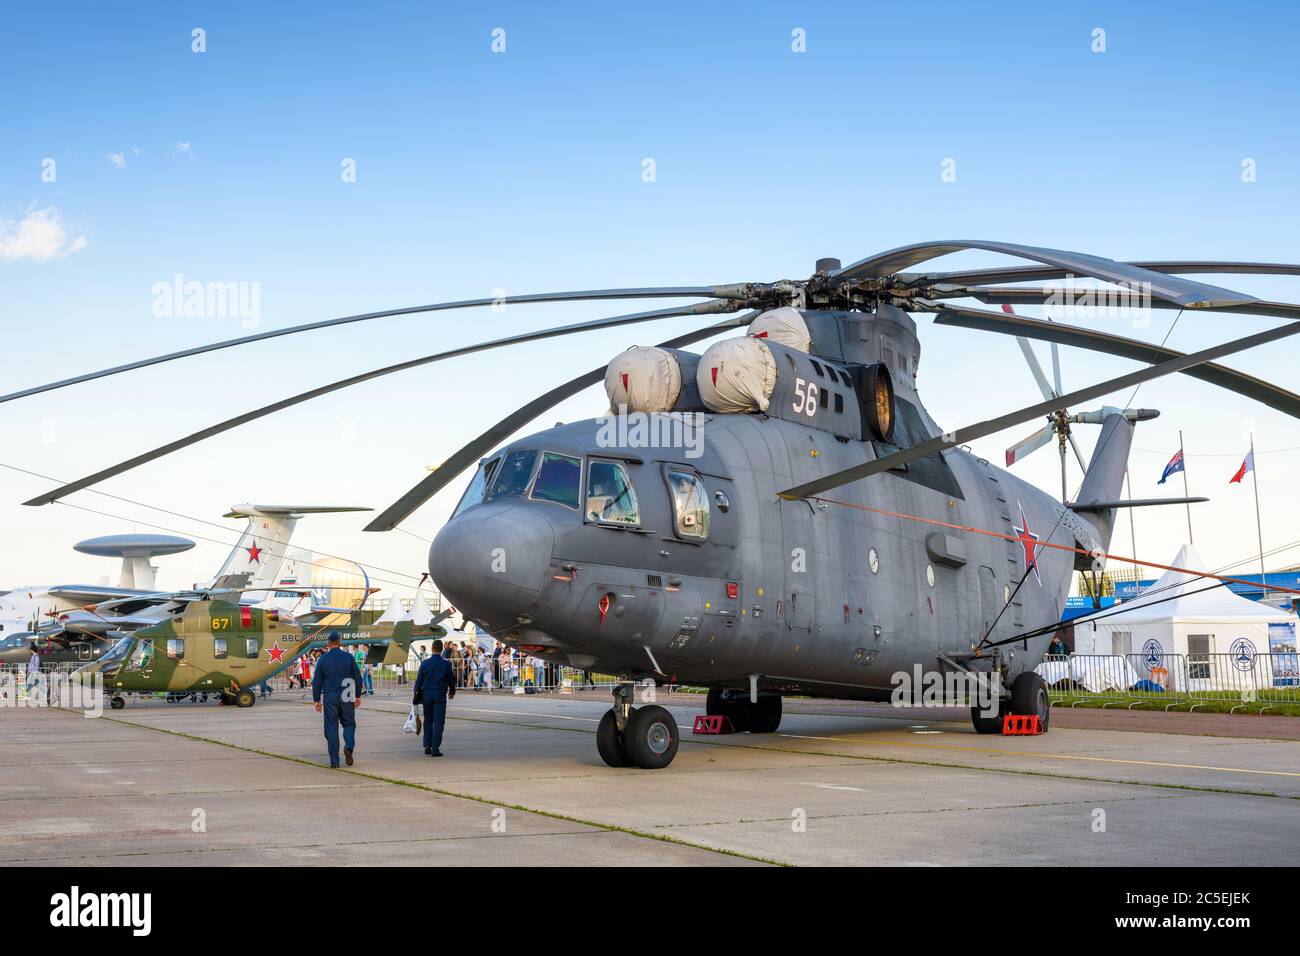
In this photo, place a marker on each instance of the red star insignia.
(254, 553)
(276, 653)
(1029, 541)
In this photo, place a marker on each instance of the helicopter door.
(800, 557)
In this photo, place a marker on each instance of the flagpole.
(1186, 493)
(1132, 531)
(1259, 527)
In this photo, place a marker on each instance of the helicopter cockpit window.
(511, 479)
(141, 658)
(559, 479)
(690, 505)
(478, 486)
(611, 498)
(115, 654)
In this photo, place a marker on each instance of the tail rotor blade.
(1077, 454)
(1027, 446)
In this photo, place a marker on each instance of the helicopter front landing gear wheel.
(609, 742)
(650, 739)
(117, 703)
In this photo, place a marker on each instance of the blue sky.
(522, 170)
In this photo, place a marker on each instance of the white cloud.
(117, 159)
(39, 237)
(186, 149)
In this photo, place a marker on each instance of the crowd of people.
(478, 668)
(474, 666)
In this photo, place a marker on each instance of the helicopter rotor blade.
(1099, 300)
(710, 307)
(473, 452)
(1019, 325)
(1183, 292)
(735, 291)
(1051, 273)
(961, 436)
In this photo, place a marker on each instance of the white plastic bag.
(409, 726)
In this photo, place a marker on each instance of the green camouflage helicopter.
(225, 649)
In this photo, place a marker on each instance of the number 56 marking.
(805, 397)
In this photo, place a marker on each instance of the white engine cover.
(736, 376)
(644, 379)
(784, 326)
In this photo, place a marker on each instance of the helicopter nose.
(491, 562)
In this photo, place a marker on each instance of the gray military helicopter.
(724, 561)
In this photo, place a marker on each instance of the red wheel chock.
(712, 724)
(1021, 725)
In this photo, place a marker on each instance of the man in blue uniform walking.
(435, 684)
(336, 689)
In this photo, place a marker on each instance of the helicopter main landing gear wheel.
(988, 725)
(763, 717)
(117, 703)
(1029, 697)
(644, 737)
(245, 697)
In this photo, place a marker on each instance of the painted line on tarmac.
(442, 791)
(1056, 756)
(938, 763)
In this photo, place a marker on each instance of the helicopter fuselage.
(810, 596)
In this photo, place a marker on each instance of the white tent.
(395, 613)
(1191, 629)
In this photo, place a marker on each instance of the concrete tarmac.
(521, 784)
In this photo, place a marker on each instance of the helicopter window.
(478, 486)
(176, 647)
(141, 658)
(825, 398)
(690, 505)
(611, 499)
(115, 653)
(511, 480)
(252, 647)
(219, 648)
(558, 480)
(839, 402)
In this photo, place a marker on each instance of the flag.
(1247, 465)
(1175, 465)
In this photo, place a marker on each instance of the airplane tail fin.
(258, 556)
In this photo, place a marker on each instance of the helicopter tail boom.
(1104, 481)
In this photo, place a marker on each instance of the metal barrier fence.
(500, 675)
(1191, 680)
